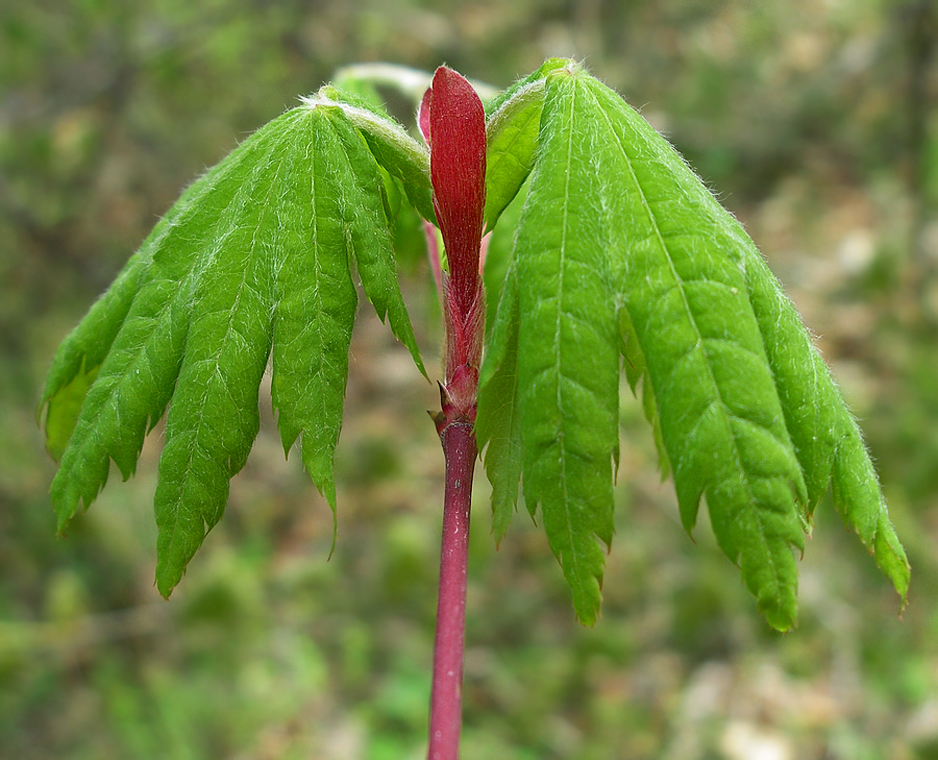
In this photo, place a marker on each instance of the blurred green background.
(815, 123)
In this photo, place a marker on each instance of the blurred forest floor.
(815, 123)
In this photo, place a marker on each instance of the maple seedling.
(608, 254)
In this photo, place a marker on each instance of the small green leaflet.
(254, 262)
(621, 251)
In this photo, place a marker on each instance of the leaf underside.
(622, 252)
(253, 264)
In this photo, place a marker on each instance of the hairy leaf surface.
(622, 250)
(567, 359)
(254, 260)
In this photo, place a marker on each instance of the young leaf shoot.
(621, 259)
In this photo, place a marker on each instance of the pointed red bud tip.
(452, 120)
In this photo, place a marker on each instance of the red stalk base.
(459, 449)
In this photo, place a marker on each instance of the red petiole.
(453, 123)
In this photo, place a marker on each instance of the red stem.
(459, 449)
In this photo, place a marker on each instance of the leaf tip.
(166, 580)
(589, 622)
(782, 618)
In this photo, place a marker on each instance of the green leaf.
(512, 127)
(858, 498)
(622, 250)
(255, 259)
(826, 437)
(822, 433)
(136, 335)
(498, 255)
(567, 359)
(511, 135)
(676, 267)
(359, 187)
(316, 300)
(498, 425)
(213, 416)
